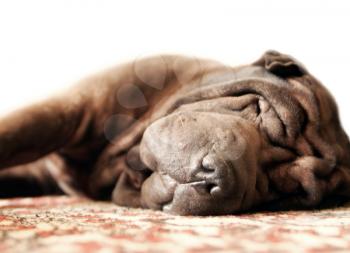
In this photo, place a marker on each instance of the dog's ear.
(280, 64)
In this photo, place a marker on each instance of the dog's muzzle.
(202, 163)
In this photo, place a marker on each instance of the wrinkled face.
(267, 133)
(202, 163)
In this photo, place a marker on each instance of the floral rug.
(64, 224)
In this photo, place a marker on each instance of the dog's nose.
(212, 177)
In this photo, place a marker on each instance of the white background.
(47, 45)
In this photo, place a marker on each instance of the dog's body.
(183, 135)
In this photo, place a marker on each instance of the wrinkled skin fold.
(183, 135)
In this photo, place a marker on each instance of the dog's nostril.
(208, 168)
(213, 189)
(209, 187)
(208, 165)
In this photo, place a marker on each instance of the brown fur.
(183, 135)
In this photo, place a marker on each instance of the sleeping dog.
(184, 135)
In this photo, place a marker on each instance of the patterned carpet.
(63, 224)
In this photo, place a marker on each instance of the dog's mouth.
(205, 190)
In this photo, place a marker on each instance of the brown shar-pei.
(184, 135)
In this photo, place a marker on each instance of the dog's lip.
(200, 187)
(206, 188)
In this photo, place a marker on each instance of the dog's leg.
(73, 123)
(32, 179)
(32, 132)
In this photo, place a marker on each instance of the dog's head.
(227, 146)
